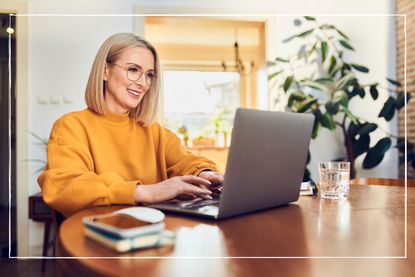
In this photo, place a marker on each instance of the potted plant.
(328, 85)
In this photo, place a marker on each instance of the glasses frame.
(139, 76)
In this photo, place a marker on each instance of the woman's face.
(121, 93)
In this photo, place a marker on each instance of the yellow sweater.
(99, 159)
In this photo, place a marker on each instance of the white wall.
(61, 51)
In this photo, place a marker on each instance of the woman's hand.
(214, 177)
(171, 188)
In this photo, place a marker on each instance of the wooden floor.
(15, 267)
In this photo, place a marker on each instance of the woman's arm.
(69, 182)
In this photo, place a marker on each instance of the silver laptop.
(265, 165)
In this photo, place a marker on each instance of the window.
(203, 102)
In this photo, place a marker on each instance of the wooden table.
(361, 236)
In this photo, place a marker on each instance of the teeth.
(133, 92)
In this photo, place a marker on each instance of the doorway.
(7, 141)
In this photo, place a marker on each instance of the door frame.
(21, 94)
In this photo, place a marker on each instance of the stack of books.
(129, 229)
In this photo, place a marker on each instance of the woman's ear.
(106, 72)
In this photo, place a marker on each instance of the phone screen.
(121, 221)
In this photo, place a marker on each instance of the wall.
(61, 50)
(406, 7)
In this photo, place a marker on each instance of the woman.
(114, 152)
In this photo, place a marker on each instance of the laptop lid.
(266, 160)
(265, 164)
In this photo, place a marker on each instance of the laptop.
(265, 166)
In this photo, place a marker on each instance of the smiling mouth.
(133, 92)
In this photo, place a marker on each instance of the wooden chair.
(39, 211)
(382, 182)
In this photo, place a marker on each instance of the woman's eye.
(132, 69)
(150, 75)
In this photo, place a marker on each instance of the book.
(156, 239)
(127, 223)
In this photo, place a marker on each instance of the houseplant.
(319, 79)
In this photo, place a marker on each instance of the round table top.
(369, 224)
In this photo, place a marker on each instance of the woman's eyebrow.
(138, 66)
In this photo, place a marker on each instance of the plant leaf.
(273, 75)
(353, 129)
(345, 44)
(305, 33)
(361, 145)
(287, 82)
(312, 48)
(374, 92)
(324, 50)
(279, 59)
(296, 96)
(310, 18)
(317, 124)
(367, 128)
(325, 80)
(342, 34)
(394, 82)
(388, 110)
(360, 68)
(306, 105)
(327, 26)
(328, 121)
(331, 107)
(352, 117)
(332, 64)
(343, 82)
(341, 97)
(375, 154)
(314, 84)
(400, 100)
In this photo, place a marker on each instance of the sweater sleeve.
(180, 161)
(69, 182)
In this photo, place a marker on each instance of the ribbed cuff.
(122, 192)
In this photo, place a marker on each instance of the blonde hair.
(147, 109)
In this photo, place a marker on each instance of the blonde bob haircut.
(147, 109)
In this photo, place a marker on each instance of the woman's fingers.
(195, 180)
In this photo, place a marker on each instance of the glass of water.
(334, 179)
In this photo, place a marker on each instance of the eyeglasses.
(134, 73)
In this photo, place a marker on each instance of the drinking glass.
(334, 179)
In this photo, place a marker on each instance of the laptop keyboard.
(194, 204)
(201, 203)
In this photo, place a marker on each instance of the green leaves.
(367, 128)
(360, 68)
(375, 154)
(305, 33)
(310, 18)
(374, 91)
(328, 121)
(306, 105)
(394, 82)
(287, 82)
(300, 35)
(332, 108)
(342, 34)
(345, 44)
(314, 84)
(324, 50)
(341, 97)
(361, 145)
(343, 82)
(275, 74)
(388, 110)
(400, 100)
